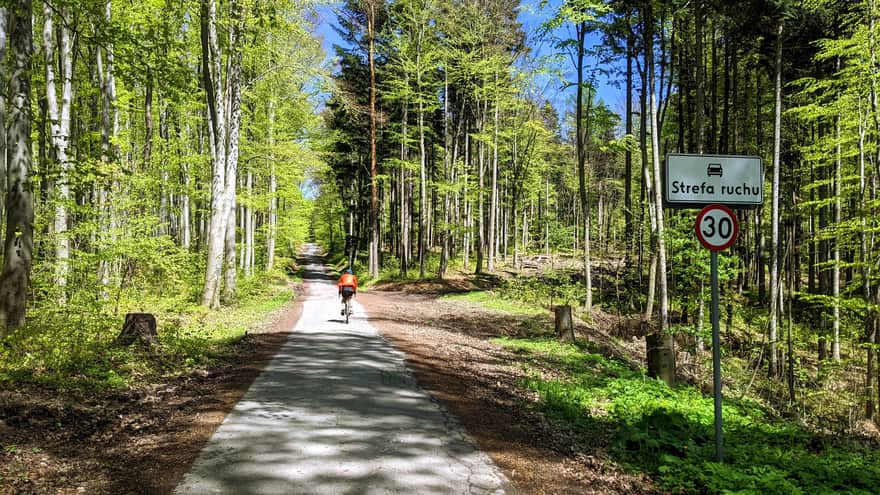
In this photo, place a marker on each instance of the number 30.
(724, 229)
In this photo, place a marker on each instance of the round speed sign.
(717, 227)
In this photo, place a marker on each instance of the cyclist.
(347, 285)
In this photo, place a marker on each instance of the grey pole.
(716, 359)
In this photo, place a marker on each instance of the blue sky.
(531, 18)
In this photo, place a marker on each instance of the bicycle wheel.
(347, 309)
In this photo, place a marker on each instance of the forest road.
(337, 412)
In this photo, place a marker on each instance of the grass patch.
(491, 300)
(669, 431)
(64, 349)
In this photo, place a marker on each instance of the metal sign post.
(713, 182)
(717, 229)
(716, 360)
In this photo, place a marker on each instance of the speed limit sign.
(717, 227)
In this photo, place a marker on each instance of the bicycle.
(347, 311)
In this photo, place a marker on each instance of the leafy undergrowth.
(65, 349)
(669, 431)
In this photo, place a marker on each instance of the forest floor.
(144, 439)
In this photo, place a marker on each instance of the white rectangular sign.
(693, 181)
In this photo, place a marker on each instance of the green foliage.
(62, 349)
(668, 431)
(490, 300)
(551, 288)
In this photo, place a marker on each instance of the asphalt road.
(337, 412)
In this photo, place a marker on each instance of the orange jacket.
(347, 280)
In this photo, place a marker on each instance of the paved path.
(336, 412)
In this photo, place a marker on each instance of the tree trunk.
(664, 364)
(423, 176)
(629, 231)
(109, 152)
(374, 205)
(774, 240)
(481, 173)
(19, 240)
(864, 259)
(447, 178)
(211, 67)
(233, 120)
(582, 117)
(59, 124)
(404, 197)
(4, 26)
(835, 277)
(468, 222)
(493, 203)
(165, 198)
(185, 214)
(148, 119)
(272, 228)
(700, 83)
(563, 323)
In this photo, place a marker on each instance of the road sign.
(694, 181)
(717, 227)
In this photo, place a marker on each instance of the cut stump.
(138, 328)
(564, 325)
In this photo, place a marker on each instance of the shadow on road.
(313, 269)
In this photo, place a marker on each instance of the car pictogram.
(714, 169)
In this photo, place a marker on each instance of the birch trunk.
(59, 129)
(249, 226)
(217, 140)
(233, 107)
(109, 152)
(273, 191)
(19, 236)
(185, 223)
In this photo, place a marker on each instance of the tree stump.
(140, 328)
(661, 357)
(564, 325)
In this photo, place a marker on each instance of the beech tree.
(18, 237)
